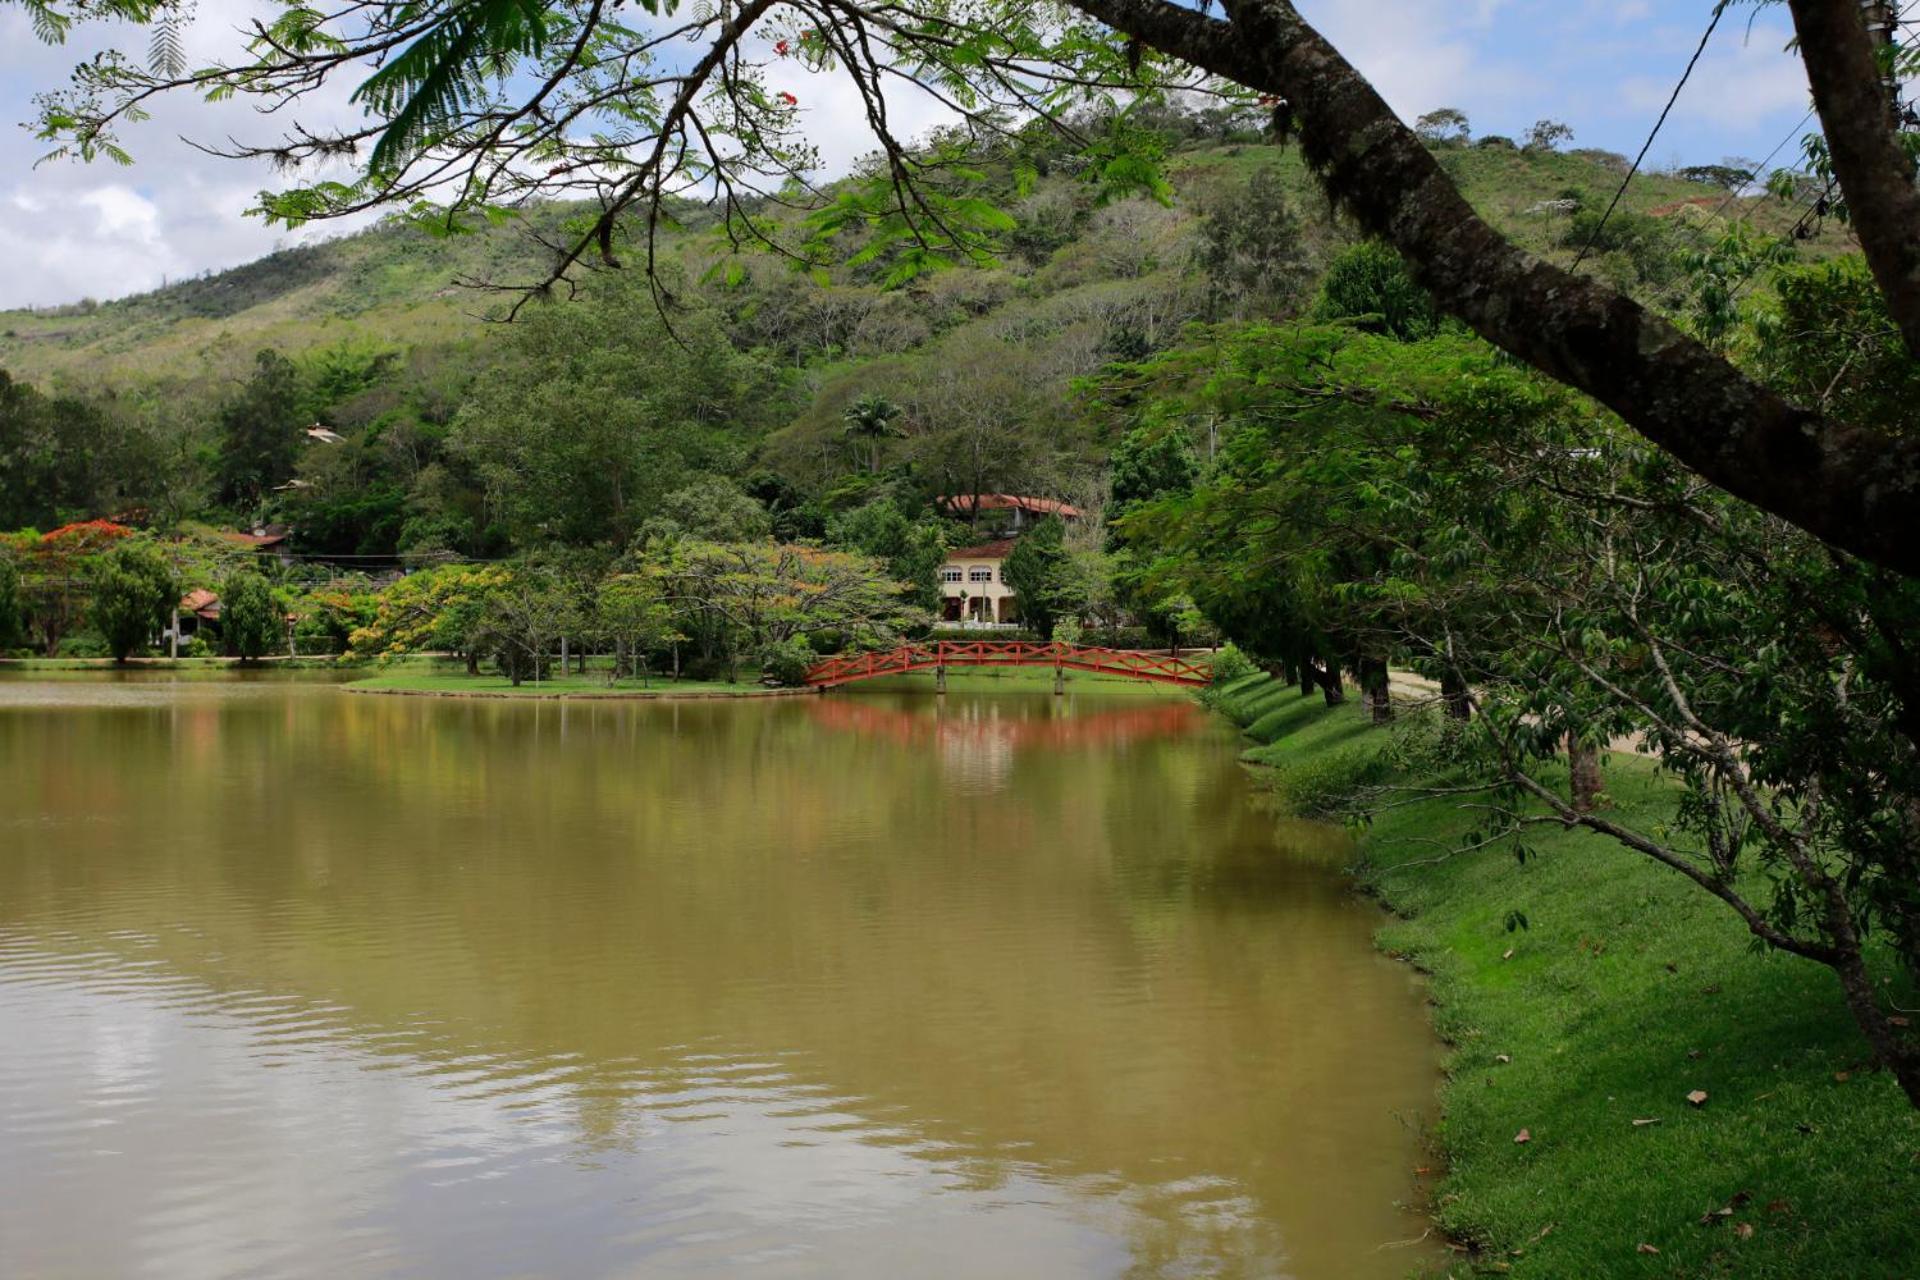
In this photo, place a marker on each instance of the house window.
(980, 573)
(951, 573)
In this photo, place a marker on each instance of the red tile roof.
(1009, 502)
(202, 602)
(253, 539)
(985, 551)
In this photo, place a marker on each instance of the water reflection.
(861, 985)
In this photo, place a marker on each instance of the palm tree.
(870, 418)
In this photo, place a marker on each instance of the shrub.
(785, 662)
(1230, 664)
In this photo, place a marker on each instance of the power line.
(1719, 8)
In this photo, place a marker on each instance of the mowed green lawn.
(1626, 990)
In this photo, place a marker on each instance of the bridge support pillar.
(940, 678)
(1059, 680)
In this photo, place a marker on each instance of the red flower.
(780, 47)
(789, 99)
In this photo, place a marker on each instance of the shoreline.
(585, 695)
(1553, 985)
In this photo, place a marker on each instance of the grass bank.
(277, 663)
(1627, 990)
(443, 678)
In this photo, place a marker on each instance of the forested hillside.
(184, 402)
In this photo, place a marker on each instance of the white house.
(973, 585)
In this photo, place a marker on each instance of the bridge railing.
(907, 658)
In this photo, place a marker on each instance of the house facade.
(973, 585)
(973, 580)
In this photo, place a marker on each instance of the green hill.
(400, 286)
(190, 402)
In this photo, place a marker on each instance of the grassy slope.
(395, 285)
(1623, 976)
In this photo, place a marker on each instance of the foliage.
(786, 662)
(251, 622)
(133, 594)
(632, 610)
(1252, 246)
(742, 597)
(1038, 571)
(1829, 342)
(1230, 664)
(12, 612)
(871, 418)
(1548, 135)
(1429, 501)
(911, 550)
(523, 619)
(710, 507)
(1368, 286)
(259, 430)
(598, 413)
(1444, 126)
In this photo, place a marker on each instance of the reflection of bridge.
(875, 718)
(938, 656)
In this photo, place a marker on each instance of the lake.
(298, 982)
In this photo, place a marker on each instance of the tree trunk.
(1330, 686)
(1857, 488)
(1308, 675)
(1583, 761)
(1860, 119)
(1372, 673)
(1453, 696)
(473, 662)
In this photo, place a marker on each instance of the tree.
(913, 551)
(1369, 286)
(1547, 135)
(1037, 570)
(1572, 588)
(1252, 247)
(710, 507)
(134, 593)
(742, 597)
(632, 610)
(438, 608)
(523, 619)
(260, 430)
(1443, 127)
(435, 136)
(12, 614)
(599, 412)
(250, 618)
(871, 418)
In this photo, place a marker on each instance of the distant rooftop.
(968, 503)
(985, 551)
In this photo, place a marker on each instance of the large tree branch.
(1857, 489)
(1857, 114)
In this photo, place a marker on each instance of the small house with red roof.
(973, 585)
(973, 581)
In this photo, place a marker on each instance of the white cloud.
(1738, 80)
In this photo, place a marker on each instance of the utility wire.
(1719, 8)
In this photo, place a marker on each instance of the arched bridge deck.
(1159, 667)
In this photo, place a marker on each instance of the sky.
(1605, 67)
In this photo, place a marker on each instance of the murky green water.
(299, 982)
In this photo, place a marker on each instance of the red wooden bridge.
(938, 656)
